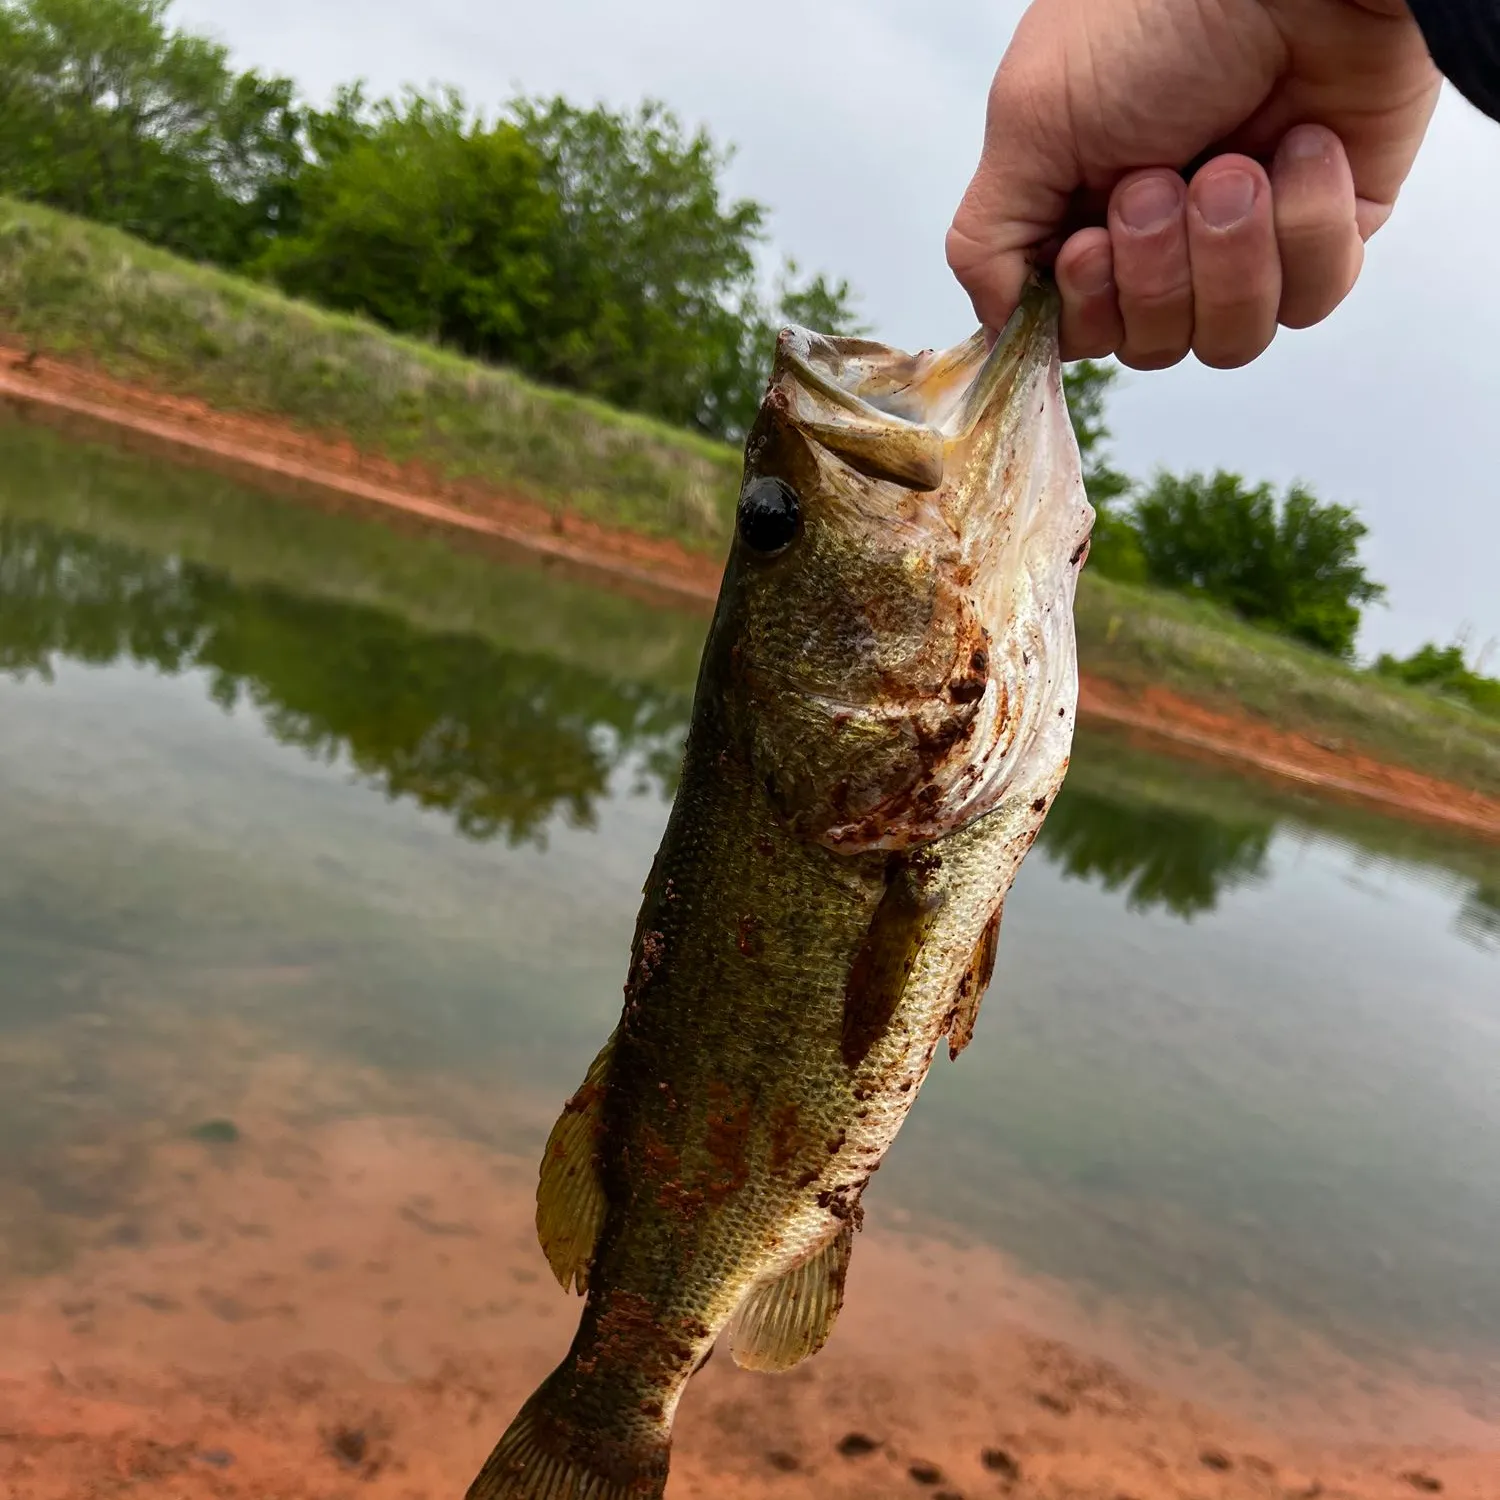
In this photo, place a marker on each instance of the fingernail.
(1225, 199)
(1149, 204)
(1307, 143)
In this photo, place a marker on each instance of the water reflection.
(1479, 917)
(506, 737)
(1182, 860)
(502, 740)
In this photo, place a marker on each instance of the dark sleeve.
(1464, 39)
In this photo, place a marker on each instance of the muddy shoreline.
(274, 453)
(357, 1308)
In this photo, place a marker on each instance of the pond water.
(306, 823)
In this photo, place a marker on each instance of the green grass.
(1136, 635)
(75, 289)
(79, 290)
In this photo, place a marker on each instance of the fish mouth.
(981, 432)
(898, 416)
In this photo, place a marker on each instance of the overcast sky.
(858, 121)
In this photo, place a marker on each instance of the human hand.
(1301, 117)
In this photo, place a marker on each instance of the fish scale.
(883, 716)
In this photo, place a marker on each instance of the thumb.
(1017, 199)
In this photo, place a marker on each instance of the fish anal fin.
(570, 1202)
(788, 1319)
(971, 987)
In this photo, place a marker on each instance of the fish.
(883, 716)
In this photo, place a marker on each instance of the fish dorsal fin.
(785, 1320)
(570, 1201)
(972, 986)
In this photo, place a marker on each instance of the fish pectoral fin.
(972, 986)
(883, 965)
(570, 1202)
(785, 1320)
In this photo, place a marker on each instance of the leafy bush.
(428, 222)
(110, 114)
(592, 248)
(1445, 670)
(1291, 564)
(654, 298)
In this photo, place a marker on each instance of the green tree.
(427, 220)
(1446, 670)
(655, 300)
(593, 249)
(818, 303)
(1293, 565)
(653, 271)
(737, 383)
(1115, 550)
(112, 114)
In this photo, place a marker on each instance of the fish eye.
(770, 516)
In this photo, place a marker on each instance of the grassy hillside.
(77, 290)
(1137, 635)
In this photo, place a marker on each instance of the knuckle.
(1313, 229)
(1154, 280)
(1232, 289)
(1235, 305)
(958, 249)
(1157, 304)
(1315, 284)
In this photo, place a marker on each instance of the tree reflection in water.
(502, 740)
(1182, 860)
(1479, 917)
(504, 735)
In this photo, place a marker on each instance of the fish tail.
(553, 1452)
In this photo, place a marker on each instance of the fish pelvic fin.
(543, 1457)
(788, 1319)
(972, 986)
(570, 1201)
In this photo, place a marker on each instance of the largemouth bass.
(883, 717)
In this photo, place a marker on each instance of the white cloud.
(858, 122)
